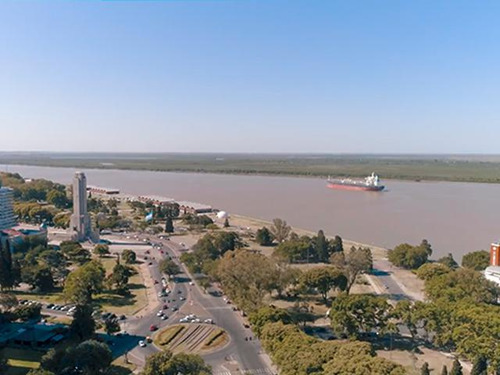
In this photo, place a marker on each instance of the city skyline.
(248, 76)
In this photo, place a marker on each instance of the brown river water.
(455, 217)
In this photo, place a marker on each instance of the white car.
(160, 313)
(142, 344)
(183, 320)
(182, 298)
(191, 283)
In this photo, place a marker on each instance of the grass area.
(52, 297)
(109, 301)
(472, 168)
(119, 304)
(122, 367)
(166, 336)
(21, 360)
(215, 339)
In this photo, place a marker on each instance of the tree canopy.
(165, 363)
(476, 260)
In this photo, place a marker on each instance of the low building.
(17, 235)
(38, 335)
(157, 200)
(103, 190)
(186, 207)
(492, 273)
(7, 216)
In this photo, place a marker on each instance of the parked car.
(142, 344)
(153, 328)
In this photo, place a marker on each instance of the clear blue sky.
(250, 76)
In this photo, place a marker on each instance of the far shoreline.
(248, 173)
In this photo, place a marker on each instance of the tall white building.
(7, 217)
(80, 220)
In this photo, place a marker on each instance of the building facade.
(80, 220)
(7, 217)
(492, 273)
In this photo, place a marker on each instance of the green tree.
(246, 277)
(58, 198)
(129, 256)
(448, 261)
(294, 250)
(355, 262)
(120, 276)
(226, 223)
(28, 312)
(75, 252)
(51, 361)
(91, 357)
(83, 324)
(429, 270)
(324, 279)
(456, 369)
(336, 245)
(408, 256)
(169, 225)
(83, 282)
(225, 241)
(62, 220)
(7, 269)
(480, 366)
(358, 314)
(8, 301)
(280, 230)
(39, 277)
(284, 277)
(164, 363)
(425, 369)
(169, 268)
(268, 314)
(476, 260)
(444, 370)
(321, 247)
(111, 326)
(264, 237)
(462, 284)
(101, 250)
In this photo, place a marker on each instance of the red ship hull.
(355, 187)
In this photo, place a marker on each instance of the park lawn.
(21, 360)
(50, 297)
(118, 304)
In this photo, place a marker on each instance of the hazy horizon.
(252, 77)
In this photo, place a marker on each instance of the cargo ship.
(370, 183)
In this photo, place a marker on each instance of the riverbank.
(406, 280)
(479, 169)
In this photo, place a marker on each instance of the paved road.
(382, 270)
(246, 353)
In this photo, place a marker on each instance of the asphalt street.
(246, 352)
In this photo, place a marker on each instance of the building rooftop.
(156, 198)
(194, 205)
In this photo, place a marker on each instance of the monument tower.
(80, 220)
